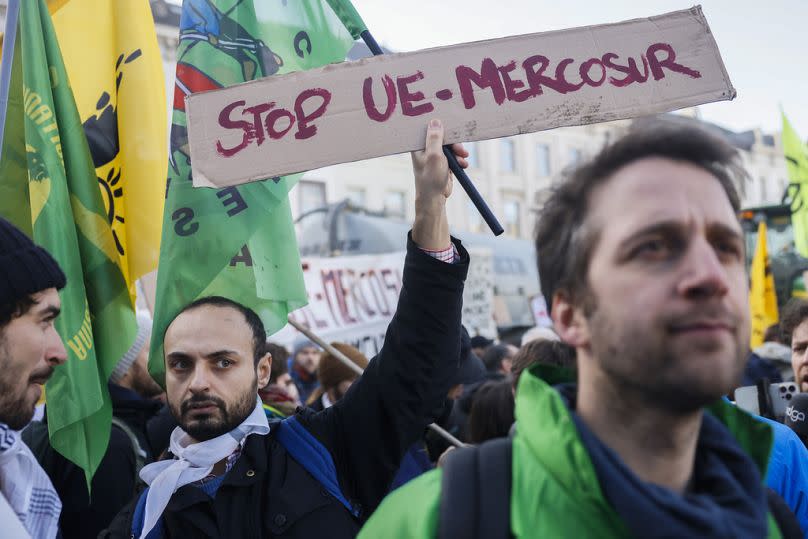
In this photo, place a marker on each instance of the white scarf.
(26, 487)
(194, 461)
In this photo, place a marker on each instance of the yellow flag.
(796, 154)
(762, 297)
(113, 62)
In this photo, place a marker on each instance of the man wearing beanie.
(303, 367)
(30, 349)
(335, 376)
(133, 393)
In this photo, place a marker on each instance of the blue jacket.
(787, 474)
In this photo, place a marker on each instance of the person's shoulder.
(408, 512)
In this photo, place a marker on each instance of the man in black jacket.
(233, 474)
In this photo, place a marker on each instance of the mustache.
(709, 314)
(201, 401)
(41, 376)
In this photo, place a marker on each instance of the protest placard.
(487, 89)
(352, 299)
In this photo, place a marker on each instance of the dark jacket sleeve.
(404, 387)
(121, 525)
(85, 514)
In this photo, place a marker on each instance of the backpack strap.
(476, 492)
(140, 454)
(314, 457)
(139, 516)
(783, 516)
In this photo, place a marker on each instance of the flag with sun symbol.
(237, 242)
(120, 92)
(50, 190)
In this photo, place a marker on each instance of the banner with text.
(353, 298)
(487, 89)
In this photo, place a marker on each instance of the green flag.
(46, 166)
(237, 242)
(349, 17)
(796, 154)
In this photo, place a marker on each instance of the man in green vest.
(642, 259)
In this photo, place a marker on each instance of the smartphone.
(780, 394)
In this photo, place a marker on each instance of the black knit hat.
(25, 268)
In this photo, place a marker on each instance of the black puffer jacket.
(268, 494)
(113, 483)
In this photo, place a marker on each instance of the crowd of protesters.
(616, 422)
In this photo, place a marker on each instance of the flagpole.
(342, 358)
(457, 170)
(9, 41)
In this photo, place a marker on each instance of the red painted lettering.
(228, 123)
(370, 105)
(635, 73)
(257, 111)
(407, 98)
(607, 61)
(304, 130)
(657, 64)
(561, 78)
(272, 119)
(511, 86)
(488, 77)
(378, 293)
(587, 66)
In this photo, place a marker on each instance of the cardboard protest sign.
(487, 89)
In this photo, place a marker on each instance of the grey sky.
(763, 44)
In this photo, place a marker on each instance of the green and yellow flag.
(796, 154)
(113, 60)
(237, 242)
(50, 190)
(762, 297)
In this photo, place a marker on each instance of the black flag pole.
(454, 166)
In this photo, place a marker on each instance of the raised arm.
(405, 385)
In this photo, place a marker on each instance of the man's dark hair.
(772, 334)
(541, 351)
(279, 356)
(492, 411)
(564, 244)
(15, 309)
(492, 358)
(794, 313)
(257, 327)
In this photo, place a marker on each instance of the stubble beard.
(643, 365)
(204, 428)
(14, 410)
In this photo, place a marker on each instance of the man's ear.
(263, 370)
(569, 321)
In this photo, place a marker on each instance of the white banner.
(353, 298)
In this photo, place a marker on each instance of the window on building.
(512, 220)
(394, 204)
(574, 156)
(356, 196)
(543, 160)
(507, 155)
(475, 219)
(474, 157)
(764, 190)
(310, 195)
